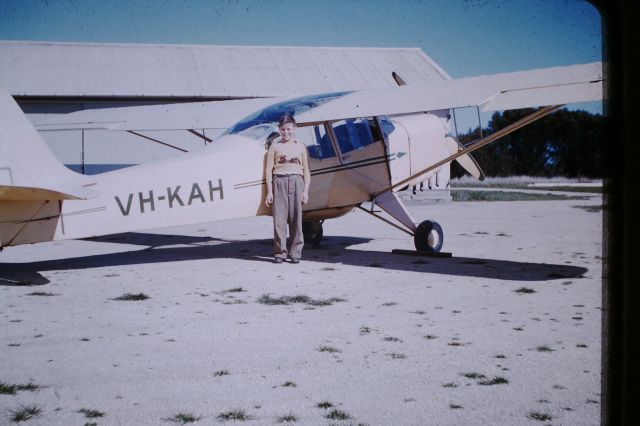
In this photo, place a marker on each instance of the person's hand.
(269, 200)
(305, 198)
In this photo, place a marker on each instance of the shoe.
(278, 260)
(295, 260)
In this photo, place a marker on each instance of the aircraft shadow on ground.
(337, 250)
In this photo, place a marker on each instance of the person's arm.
(306, 174)
(268, 174)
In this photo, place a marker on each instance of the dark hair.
(286, 119)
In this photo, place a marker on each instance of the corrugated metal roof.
(155, 70)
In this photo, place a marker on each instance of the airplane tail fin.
(28, 169)
(31, 177)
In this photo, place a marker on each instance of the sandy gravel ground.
(506, 332)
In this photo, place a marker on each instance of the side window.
(317, 141)
(353, 134)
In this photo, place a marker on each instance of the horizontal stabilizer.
(22, 193)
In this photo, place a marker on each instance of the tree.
(565, 143)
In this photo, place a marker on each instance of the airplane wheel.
(312, 232)
(428, 236)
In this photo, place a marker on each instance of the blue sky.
(465, 37)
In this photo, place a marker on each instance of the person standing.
(288, 178)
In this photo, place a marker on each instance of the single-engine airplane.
(364, 146)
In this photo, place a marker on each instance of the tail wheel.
(312, 232)
(428, 236)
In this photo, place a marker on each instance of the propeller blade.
(466, 161)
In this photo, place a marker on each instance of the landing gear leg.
(428, 236)
(312, 232)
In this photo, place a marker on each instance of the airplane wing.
(558, 85)
(192, 115)
(541, 87)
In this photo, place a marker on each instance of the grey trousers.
(287, 213)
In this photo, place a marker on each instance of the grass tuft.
(541, 417)
(41, 293)
(289, 418)
(234, 415)
(326, 348)
(7, 389)
(221, 373)
(494, 381)
(91, 414)
(396, 355)
(544, 348)
(337, 415)
(324, 404)
(473, 376)
(266, 299)
(365, 330)
(289, 384)
(183, 418)
(524, 290)
(24, 413)
(132, 297)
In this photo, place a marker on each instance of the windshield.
(272, 113)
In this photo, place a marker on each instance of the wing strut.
(542, 112)
(156, 140)
(390, 203)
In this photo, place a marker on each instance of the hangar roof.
(203, 71)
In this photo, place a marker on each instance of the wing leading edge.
(523, 89)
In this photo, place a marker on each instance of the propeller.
(466, 161)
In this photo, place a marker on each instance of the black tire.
(428, 236)
(312, 232)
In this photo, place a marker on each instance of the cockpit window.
(272, 113)
(317, 141)
(354, 134)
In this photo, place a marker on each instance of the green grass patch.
(473, 376)
(130, 297)
(494, 381)
(469, 195)
(237, 415)
(24, 413)
(235, 290)
(183, 418)
(326, 348)
(91, 414)
(338, 415)
(266, 299)
(8, 389)
(524, 290)
(541, 417)
(288, 418)
(324, 405)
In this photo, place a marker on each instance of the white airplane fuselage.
(225, 180)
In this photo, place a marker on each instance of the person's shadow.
(159, 248)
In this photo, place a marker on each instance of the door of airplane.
(348, 162)
(323, 162)
(363, 158)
